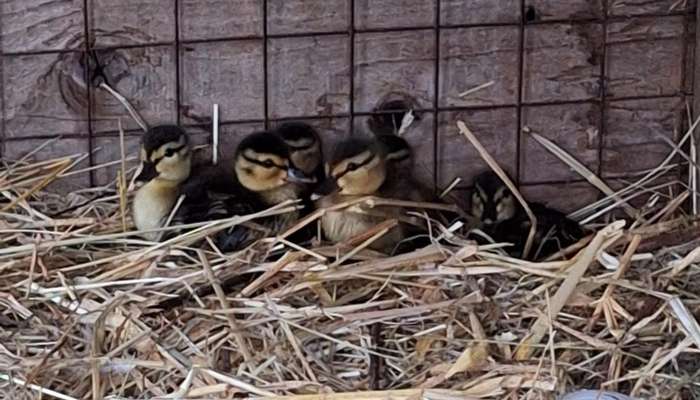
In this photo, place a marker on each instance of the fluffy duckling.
(358, 168)
(263, 176)
(305, 148)
(503, 218)
(401, 181)
(166, 167)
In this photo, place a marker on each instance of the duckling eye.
(169, 152)
(353, 166)
(268, 164)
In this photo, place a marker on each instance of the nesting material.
(89, 311)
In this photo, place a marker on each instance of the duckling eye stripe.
(262, 163)
(175, 149)
(361, 164)
(300, 147)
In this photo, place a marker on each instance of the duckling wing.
(551, 219)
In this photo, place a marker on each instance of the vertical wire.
(90, 93)
(436, 100)
(266, 105)
(177, 62)
(603, 90)
(519, 102)
(351, 60)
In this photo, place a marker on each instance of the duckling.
(389, 117)
(166, 167)
(358, 168)
(305, 148)
(263, 175)
(503, 218)
(401, 181)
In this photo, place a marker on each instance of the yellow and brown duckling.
(357, 169)
(166, 168)
(263, 175)
(502, 217)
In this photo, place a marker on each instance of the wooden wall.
(604, 79)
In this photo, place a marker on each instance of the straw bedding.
(88, 310)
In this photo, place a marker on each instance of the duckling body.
(401, 181)
(155, 200)
(358, 169)
(166, 166)
(502, 218)
(262, 176)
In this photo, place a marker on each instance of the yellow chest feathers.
(281, 194)
(340, 226)
(153, 204)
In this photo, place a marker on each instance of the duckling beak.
(148, 172)
(328, 186)
(297, 176)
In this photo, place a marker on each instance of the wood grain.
(565, 10)
(227, 73)
(457, 12)
(573, 127)
(646, 7)
(309, 76)
(213, 19)
(562, 62)
(42, 25)
(496, 130)
(44, 94)
(146, 77)
(397, 62)
(129, 22)
(394, 13)
(632, 141)
(299, 16)
(470, 57)
(638, 55)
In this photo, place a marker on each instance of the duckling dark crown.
(300, 132)
(396, 147)
(490, 183)
(264, 142)
(160, 135)
(352, 147)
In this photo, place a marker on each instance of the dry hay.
(90, 311)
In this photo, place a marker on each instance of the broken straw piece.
(406, 122)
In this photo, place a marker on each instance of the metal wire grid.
(437, 27)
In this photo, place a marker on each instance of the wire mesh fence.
(604, 79)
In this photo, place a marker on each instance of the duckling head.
(263, 163)
(165, 154)
(389, 116)
(358, 167)
(304, 145)
(397, 148)
(492, 201)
